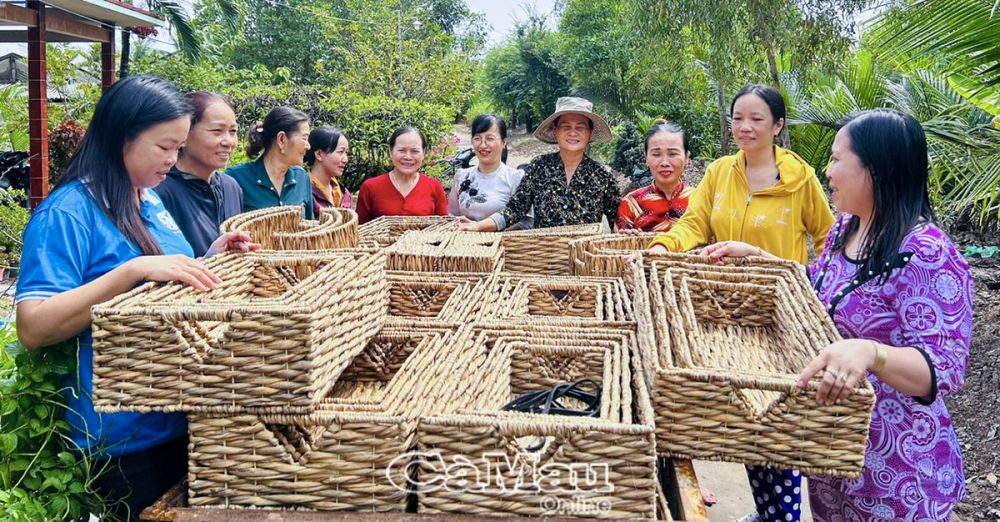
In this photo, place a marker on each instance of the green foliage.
(525, 74)
(41, 478)
(963, 146)
(961, 34)
(14, 117)
(629, 154)
(13, 219)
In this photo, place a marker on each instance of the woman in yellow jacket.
(768, 197)
(763, 195)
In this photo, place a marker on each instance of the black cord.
(547, 401)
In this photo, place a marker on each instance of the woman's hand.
(658, 249)
(731, 249)
(173, 268)
(467, 225)
(843, 364)
(236, 241)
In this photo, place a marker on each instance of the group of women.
(894, 284)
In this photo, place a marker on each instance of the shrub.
(63, 141)
(41, 478)
(13, 219)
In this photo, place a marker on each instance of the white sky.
(502, 15)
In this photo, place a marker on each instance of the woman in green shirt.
(276, 177)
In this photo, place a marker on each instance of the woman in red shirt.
(403, 191)
(657, 206)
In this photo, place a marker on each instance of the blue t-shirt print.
(68, 243)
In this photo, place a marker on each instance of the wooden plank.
(17, 15)
(692, 504)
(67, 28)
(59, 23)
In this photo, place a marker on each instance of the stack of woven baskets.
(365, 369)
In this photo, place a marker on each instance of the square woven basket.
(353, 453)
(724, 347)
(526, 464)
(273, 337)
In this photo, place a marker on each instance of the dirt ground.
(976, 408)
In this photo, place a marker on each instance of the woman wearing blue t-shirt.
(102, 232)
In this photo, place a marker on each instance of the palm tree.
(963, 146)
(186, 37)
(961, 34)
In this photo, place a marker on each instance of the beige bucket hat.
(570, 105)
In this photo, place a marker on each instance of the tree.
(964, 148)
(185, 35)
(524, 74)
(962, 34)
(752, 40)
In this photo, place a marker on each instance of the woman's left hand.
(237, 241)
(843, 364)
(730, 249)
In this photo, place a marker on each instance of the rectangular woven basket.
(544, 250)
(446, 252)
(558, 299)
(725, 345)
(354, 453)
(440, 296)
(273, 337)
(284, 228)
(535, 464)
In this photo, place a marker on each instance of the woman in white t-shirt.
(483, 191)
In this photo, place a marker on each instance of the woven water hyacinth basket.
(514, 463)
(727, 344)
(607, 255)
(273, 337)
(353, 453)
(283, 228)
(559, 298)
(387, 229)
(423, 251)
(440, 296)
(544, 250)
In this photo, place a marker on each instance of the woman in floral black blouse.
(565, 187)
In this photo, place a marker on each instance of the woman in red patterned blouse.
(656, 207)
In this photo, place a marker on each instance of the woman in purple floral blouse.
(901, 295)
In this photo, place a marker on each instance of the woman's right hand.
(178, 268)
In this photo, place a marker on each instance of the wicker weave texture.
(273, 337)
(353, 453)
(607, 255)
(445, 252)
(283, 228)
(724, 346)
(544, 250)
(385, 230)
(514, 451)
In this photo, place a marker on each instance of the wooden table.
(680, 486)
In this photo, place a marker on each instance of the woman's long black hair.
(893, 147)
(124, 111)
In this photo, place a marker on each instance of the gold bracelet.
(880, 357)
